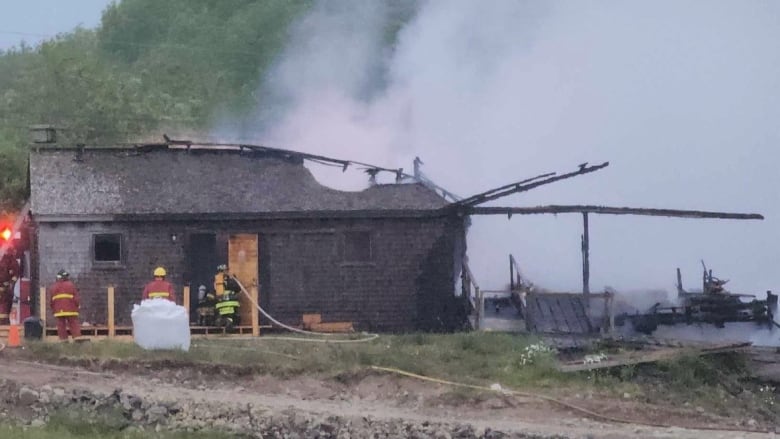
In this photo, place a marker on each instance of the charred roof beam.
(526, 185)
(607, 210)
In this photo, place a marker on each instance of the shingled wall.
(408, 283)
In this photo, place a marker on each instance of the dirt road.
(362, 406)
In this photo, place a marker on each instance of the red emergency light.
(6, 233)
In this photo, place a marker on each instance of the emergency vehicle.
(16, 302)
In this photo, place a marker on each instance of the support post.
(480, 307)
(511, 274)
(465, 282)
(585, 258)
(111, 309)
(609, 318)
(253, 291)
(186, 300)
(680, 289)
(42, 309)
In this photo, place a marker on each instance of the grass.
(473, 358)
(470, 357)
(62, 426)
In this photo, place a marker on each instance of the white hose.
(368, 337)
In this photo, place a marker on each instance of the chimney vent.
(43, 134)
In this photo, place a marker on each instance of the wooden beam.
(477, 197)
(111, 308)
(607, 210)
(552, 294)
(526, 185)
(585, 258)
(650, 356)
(253, 291)
(42, 305)
(511, 274)
(186, 300)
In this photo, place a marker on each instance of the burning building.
(386, 258)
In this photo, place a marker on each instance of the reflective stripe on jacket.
(64, 300)
(227, 307)
(161, 289)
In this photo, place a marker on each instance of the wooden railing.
(111, 330)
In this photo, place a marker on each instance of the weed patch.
(64, 426)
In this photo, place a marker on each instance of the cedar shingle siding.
(386, 258)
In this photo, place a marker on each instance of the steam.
(682, 98)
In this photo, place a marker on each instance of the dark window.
(108, 248)
(357, 246)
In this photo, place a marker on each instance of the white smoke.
(682, 98)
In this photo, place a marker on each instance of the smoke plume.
(681, 98)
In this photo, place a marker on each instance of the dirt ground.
(376, 397)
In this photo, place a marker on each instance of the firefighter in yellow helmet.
(159, 288)
(226, 289)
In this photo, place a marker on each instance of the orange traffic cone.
(14, 341)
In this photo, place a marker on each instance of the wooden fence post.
(111, 310)
(42, 309)
(186, 300)
(255, 313)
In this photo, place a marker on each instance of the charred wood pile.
(712, 305)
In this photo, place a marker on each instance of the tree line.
(148, 67)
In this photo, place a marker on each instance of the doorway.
(203, 264)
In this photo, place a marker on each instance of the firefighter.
(6, 301)
(159, 288)
(219, 280)
(224, 282)
(227, 308)
(9, 265)
(206, 303)
(9, 273)
(226, 289)
(64, 304)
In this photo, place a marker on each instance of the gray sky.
(34, 20)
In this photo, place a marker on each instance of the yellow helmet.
(159, 272)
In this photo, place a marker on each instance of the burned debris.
(713, 304)
(573, 313)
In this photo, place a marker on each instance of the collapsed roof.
(165, 181)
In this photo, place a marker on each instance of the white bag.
(161, 324)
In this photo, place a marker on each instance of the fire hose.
(368, 337)
(570, 406)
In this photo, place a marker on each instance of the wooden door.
(243, 263)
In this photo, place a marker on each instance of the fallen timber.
(648, 356)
